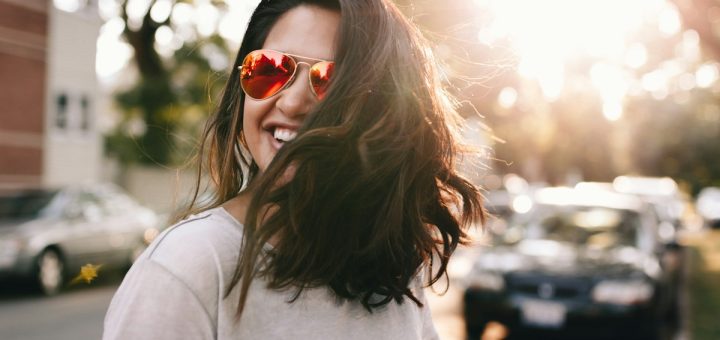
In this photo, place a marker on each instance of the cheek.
(253, 113)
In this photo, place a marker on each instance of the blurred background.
(597, 126)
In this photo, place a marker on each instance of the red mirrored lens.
(264, 73)
(320, 75)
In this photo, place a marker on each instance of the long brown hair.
(373, 195)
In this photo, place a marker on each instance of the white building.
(73, 142)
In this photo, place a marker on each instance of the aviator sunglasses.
(264, 73)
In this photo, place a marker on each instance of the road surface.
(76, 314)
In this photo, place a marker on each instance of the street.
(76, 314)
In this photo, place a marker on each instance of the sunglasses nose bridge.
(297, 71)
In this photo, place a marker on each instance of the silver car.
(47, 234)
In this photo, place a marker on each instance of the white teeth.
(284, 135)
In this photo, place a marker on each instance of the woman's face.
(307, 31)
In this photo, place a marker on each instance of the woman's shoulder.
(198, 247)
(213, 228)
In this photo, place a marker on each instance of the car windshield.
(595, 227)
(26, 204)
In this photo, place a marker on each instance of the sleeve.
(152, 303)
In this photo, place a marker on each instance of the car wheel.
(50, 272)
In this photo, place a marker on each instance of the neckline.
(266, 246)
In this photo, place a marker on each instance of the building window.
(61, 114)
(84, 113)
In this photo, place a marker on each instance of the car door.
(86, 238)
(123, 224)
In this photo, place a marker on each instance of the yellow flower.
(88, 273)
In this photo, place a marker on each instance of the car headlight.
(9, 250)
(622, 292)
(483, 280)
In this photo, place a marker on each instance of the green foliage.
(169, 108)
(680, 140)
(703, 280)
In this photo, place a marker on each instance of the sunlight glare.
(610, 80)
(706, 75)
(68, 5)
(507, 97)
(548, 34)
(612, 84)
(686, 81)
(612, 110)
(522, 204)
(164, 35)
(181, 13)
(112, 55)
(655, 81)
(234, 22)
(547, 70)
(689, 49)
(636, 56)
(206, 19)
(160, 11)
(136, 10)
(669, 20)
(232, 26)
(108, 9)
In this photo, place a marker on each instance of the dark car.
(578, 264)
(47, 234)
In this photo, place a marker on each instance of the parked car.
(578, 263)
(663, 194)
(47, 234)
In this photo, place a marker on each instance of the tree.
(672, 131)
(171, 96)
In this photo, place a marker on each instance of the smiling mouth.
(284, 135)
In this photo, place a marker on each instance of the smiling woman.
(270, 121)
(332, 154)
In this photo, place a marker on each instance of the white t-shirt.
(175, 291)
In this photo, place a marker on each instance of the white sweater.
(175, 291)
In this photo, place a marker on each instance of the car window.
(26, 204)
(114, 202)
(595, 227)
(85, 205)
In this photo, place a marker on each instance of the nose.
(297, 98)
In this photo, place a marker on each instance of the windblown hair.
(367, 195)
